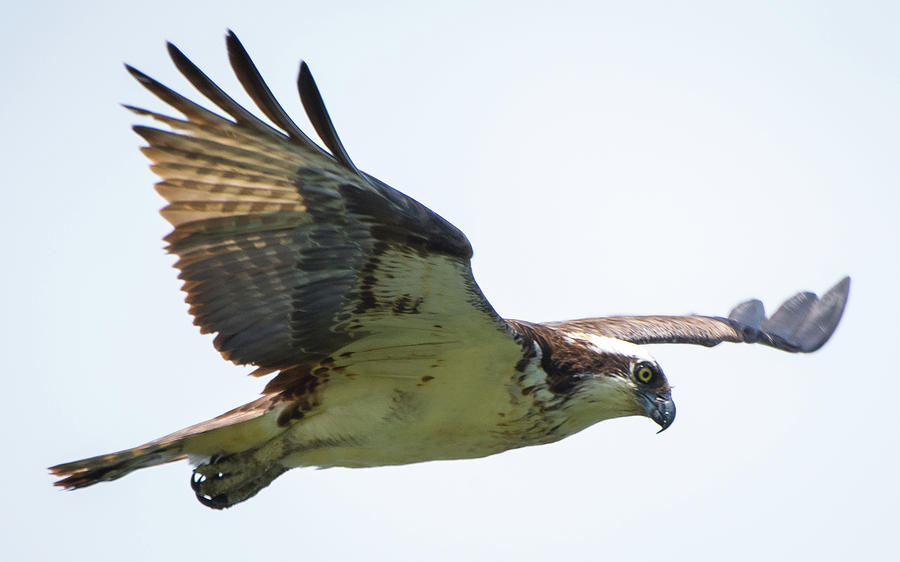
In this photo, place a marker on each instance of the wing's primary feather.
(802, 324)
(216, 95)
(805, 322)
(252, 81)
(318, 116)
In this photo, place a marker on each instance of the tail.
(240, 429)
(112, 466)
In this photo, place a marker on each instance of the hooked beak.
(660, 409)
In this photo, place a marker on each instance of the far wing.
(290, 253)
(802, 324)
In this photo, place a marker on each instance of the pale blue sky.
(604, 157)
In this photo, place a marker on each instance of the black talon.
(196, 480)
(219, 501)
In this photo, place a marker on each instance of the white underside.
(398, 421)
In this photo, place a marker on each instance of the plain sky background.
(602, 157)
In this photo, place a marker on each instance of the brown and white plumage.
(363, 302)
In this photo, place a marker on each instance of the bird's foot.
(225, 481)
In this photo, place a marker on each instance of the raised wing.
(288, 252)
(803, 324)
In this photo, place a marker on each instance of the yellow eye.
(645, 373)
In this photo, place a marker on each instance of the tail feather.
(240, 429)
(112, 466)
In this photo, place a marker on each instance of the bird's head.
(609, 378)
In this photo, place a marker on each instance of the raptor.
(362, 303)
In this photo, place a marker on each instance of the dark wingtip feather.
(252, 81)
(215, 94)
(138, 75)
(803, 323)
(177, 56)
(824, 317)
(750, 313)
(315, 109)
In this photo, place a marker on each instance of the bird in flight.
(362, 303)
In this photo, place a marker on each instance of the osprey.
(363, 302)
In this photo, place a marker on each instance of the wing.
(290, 253)
(803, 324)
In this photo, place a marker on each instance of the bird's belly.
(389, 423)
